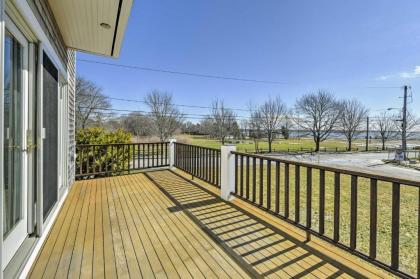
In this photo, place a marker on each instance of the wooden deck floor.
(161, 225)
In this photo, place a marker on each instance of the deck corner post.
(172, 153)
(227, 171)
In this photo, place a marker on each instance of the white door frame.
(2, 33)
(15, 238)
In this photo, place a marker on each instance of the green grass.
(409, 202)
(278, 145)
(408, 212)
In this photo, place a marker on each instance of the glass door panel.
(13, 127)
(14, 132)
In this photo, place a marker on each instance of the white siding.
(71, 70)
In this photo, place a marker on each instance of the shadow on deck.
(159, 224)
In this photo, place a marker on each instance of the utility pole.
(404, 122)
(367, 133)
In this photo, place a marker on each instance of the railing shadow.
(258, 247)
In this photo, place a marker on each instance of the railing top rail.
(130, 143)
(334, 169)
(208, 148)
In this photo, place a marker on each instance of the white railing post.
(227, 171)
(172, 153)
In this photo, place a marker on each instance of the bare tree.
(255, 128)
(352, 117)
(272, 113)
(224, 120)
(165, 115)
(318, 113)
(90, 103)
(207, 127)
(413, 124)
(137, 124)
(385, 125)
(287, 125)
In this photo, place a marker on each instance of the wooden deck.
(160, 225)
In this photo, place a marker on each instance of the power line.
(178, 105)
(192, 115)
(222, 77)
(141, 68)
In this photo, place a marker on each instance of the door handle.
(30, 148)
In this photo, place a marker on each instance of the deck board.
(159, 225)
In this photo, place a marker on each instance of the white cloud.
(403, 75)
(414, 74)
(384, 77)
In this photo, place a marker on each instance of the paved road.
(364, 162)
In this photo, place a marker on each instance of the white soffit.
(80, 24)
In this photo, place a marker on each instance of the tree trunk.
(383, 144)
(269, 146)
(349, 144)
(317, 144)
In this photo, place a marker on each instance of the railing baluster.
(241, 190)
(247, 178)
(286, 190)
(353, 212)
(138, 156)
(112, 159)
(321, 201)
(128, 157)
(202, 163)
(143, 155)
(254, 179)
(373, 217)
(208, 165)
(297, 193)
(261, 181)
(154, 150)
(336, 206)
(161, 154)
(148, 155)
(308, 198)
(236, 174)
(98, 151)
(277, 208)
(87, 161)
(395, 230)
(268, 184)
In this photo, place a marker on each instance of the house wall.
(71, 70)
(44, 16)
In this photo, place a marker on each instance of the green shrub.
(100, 136)
(99, 153)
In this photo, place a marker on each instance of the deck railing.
(201, 162)
(93, 160)
(375, 217)
(347, 206)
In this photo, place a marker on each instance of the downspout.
(2, 34)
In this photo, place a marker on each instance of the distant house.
(39, 39)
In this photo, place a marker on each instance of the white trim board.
(30, 18)
(2, 33)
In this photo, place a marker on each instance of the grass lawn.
(408, 212)
(409, 204)
(409, 200)
(278, 145)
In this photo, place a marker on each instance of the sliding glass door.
(15, 94)
(50, 144)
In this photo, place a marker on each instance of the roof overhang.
(95, 26)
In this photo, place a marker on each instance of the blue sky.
(346, 47)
